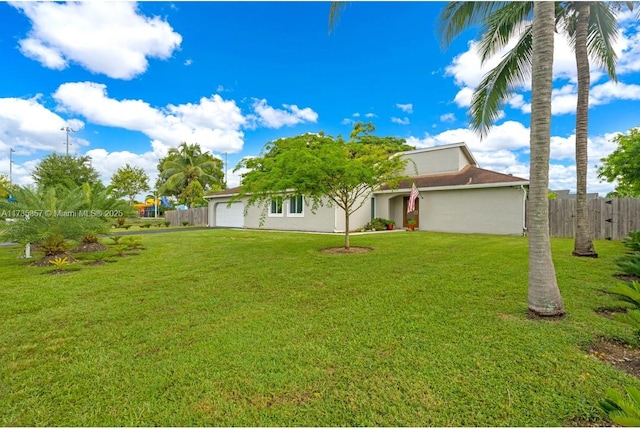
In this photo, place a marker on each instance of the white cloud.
(277, 118)
(110, 38)
(401, 121)
(356, 115)
(28, 126)
(407, 108)
(213, 122)
(347, 121)
(448, 117)
(371, 115)
(463, 97)
(188, 62)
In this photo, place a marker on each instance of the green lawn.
(242, 328)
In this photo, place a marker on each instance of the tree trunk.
(544, 295)
(583, 246)
(346, 229)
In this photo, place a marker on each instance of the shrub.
(120, 221)
(623, 411)
(167, 223)
(633, 241)
(120, 249)
(98, 256)
(126, 227)
(133, 243)
(89, 239)
(146, 225)
(59, 263)
(185, 222)
(53, 245)
(630, 264)
(116, 238)
(628, 292)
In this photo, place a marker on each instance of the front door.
(413, 215)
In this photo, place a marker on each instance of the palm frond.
(334, 13)
(603, 32)
(458, 16)
(502, 25)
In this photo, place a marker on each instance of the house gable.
(438, 159)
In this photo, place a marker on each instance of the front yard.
(255, 328)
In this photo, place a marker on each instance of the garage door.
(231, 216)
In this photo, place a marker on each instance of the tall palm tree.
(186, 164)
(544, 295)
(591, 28)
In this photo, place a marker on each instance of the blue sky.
(134, 79)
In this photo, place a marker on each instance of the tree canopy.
(4, 186)
(623, 165)
(130, 181)
(65, 170)
(184, 165)
(322, 169)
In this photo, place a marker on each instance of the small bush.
(167, 223)
(628, 292)
(121, 248)
(623, 411)
(116, 238)
(146, 225)
(89, 239)
(633, 241)
(120, 221)
(126, 227)
(133, 243)
(53, 245)
(630, 264)
(98, 256)
(185, 222)
(59, 263)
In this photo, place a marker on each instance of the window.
(296, 206)
(275, 208)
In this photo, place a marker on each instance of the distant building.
(564, 194)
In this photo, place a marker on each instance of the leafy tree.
(66, 170)
(362, 133)
(4, 186)
(130, 181)
(186, 164)
(320, 168)
(544, 295)
(623, 165)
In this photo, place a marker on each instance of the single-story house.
(456, 195)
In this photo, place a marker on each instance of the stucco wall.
(436, 161)
(487, 210)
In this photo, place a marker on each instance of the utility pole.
(68, 130)
(225, 169)
(11, 150)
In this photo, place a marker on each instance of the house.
(456, 195)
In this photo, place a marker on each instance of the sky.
(132, 80)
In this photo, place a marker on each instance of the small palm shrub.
(185, 222)
(98, 256)
(630, 264)
(623, 411)
(120, 221)
(628, 292)
(89, 239)
(167, 223)
(146, 225)
(115, 238)
(53, 245)
(126, 227)
(120, 249)
(132, 243)
(633, 241)
(60, 263)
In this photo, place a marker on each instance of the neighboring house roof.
(565, 195)
(462, 145)
(467, 176)
(224, 193)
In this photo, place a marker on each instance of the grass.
(250, 328)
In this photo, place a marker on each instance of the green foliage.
(628, 292)
(633, 241)
(322, 169)
(116, 238)
(65, 170)
(185, 222)
(377, 224)
(130, 181)
(185, 165)
(631, 318)
(53, 245)
(630, 264)
(623, 165)
(167, 223)
(126, 226)
(120, 221)
(121, 248)
(98, 256)
(60, 263)
(362, 133)
(69, 212)
(89, 239)
(4, 186)
(623, 410)
(193, 194)
(133, 243)
(146, 225)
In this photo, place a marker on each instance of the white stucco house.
(456, 195)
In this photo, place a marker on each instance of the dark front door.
(413, 215)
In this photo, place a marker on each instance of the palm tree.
(187, 164)
(544, 296)
(591, 28)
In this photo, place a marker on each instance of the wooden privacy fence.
(609, 219)
(196, 217)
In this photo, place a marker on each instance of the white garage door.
(232, 215)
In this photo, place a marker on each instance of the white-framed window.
(275, 207)
(296, 206)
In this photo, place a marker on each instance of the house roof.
(462, 145)
(224, 193)
(467, 176)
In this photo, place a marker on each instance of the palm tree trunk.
(583, 246)
(544, 295)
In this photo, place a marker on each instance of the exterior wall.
(358, 219)
(436, 161)
(481, 210)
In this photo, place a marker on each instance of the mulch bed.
(44, 262)
(89, 247)
(343, 251)
(619, 355)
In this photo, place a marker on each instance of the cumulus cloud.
(213, 122)
(407, 108)
(110, 38)
(271, 117)
(371, 115)
(347, 121)
(448, 117)
(401, 121)
(27, 126)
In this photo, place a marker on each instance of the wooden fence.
(195, 217)
(609, 219)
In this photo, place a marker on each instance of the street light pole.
(11, 150)
(68, 130)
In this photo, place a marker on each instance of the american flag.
(412, 199)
